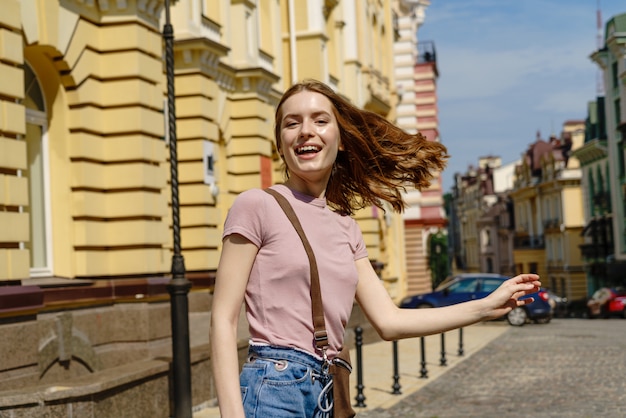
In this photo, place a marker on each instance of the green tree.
(438, 258)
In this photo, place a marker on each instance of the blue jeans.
(281, 382)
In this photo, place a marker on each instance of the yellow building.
(561, 211)
(85, 195)
(548, 210)
(529, 241)
(85, 151)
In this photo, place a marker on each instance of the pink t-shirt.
(278, 301)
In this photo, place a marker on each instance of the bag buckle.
(320, 336)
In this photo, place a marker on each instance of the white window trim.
(38, 118)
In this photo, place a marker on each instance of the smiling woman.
(375, 158)
(338, 159)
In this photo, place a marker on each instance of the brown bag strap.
(319, 326)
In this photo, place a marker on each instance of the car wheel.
(517, 317)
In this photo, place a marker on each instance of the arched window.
(37, 172)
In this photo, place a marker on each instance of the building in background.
(561, 205)
(416, 75)
(547, 204)
(473, 195)
(602, 160)
(597, 248)
(529, 244)
(524, 216)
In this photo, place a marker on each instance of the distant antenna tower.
(599, 45)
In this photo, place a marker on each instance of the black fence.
(396, 387)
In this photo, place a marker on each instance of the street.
(567, 368)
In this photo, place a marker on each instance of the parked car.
(558, 303)
(606, 302)
(578, 308)
(470, 286)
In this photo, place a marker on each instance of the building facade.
(562, 214)
(525, 216)
(473, 195)
(611, 60)
(602, 160)
(597, 247)
(416, 74)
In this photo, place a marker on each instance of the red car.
(607, 302)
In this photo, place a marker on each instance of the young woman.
(338, 159)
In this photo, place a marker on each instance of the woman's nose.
(306, 128)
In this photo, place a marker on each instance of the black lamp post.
(179, 286)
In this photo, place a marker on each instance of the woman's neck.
(313, 189)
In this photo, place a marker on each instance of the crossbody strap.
(319, 326)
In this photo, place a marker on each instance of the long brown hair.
(379, 159)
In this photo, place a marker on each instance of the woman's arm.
(394, 323)
(233, 271)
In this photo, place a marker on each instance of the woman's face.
(309, 136)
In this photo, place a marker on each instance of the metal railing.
(396, 387)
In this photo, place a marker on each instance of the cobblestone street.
(567, 368)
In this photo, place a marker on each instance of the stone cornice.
(591, 151)
(256, 80)
(109, 11)
(204, 55)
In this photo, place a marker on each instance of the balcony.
(602, 203)
(594, 251)
(551, 224)
(426, 52)
(524, 242)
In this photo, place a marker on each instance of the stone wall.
(104, 356)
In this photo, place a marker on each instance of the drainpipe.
(292, 42)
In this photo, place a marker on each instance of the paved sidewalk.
(569, 368)
(378, 364)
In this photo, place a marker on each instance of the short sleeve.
(246, 215)
(360, 248)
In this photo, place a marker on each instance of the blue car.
(470, 286)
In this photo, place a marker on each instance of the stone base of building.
(140, 389)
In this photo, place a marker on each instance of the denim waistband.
(285, 353)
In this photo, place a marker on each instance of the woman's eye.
(322, 122)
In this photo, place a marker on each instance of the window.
(549, 252)
(617, 109)
(39, 244)
(489, 285)
(464, 286)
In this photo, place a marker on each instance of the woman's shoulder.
(344, 218)
(251, 197)
(250, 203)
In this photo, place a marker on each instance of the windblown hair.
(379, 159)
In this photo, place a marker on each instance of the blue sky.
(508, 69)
